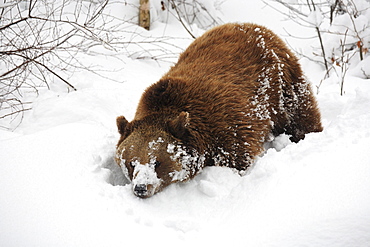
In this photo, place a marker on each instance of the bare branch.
(42, 40)
(180, 19)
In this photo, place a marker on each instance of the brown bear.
(231, 90)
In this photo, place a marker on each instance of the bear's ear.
(178, 127)
(121, 124)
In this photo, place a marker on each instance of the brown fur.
(232, 88)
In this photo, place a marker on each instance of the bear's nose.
(141, 190)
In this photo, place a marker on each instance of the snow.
(191, 162)
(315, 18)
(59, 184)
(145, 174)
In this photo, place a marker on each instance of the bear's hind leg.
(305, 121)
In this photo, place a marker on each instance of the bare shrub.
(342, 28)
(189, 12)
(40, 42)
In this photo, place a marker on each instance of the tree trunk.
(144, 14)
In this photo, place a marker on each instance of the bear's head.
(153, 154)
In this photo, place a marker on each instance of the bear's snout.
(145, 181)
(141, 190)
(144, 190)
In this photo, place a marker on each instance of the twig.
(322, 48)
(344, 66)
(180, 19)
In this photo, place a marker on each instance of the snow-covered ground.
(59, 185)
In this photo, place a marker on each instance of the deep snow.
(59, 185)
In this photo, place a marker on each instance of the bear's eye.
(157, 163)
